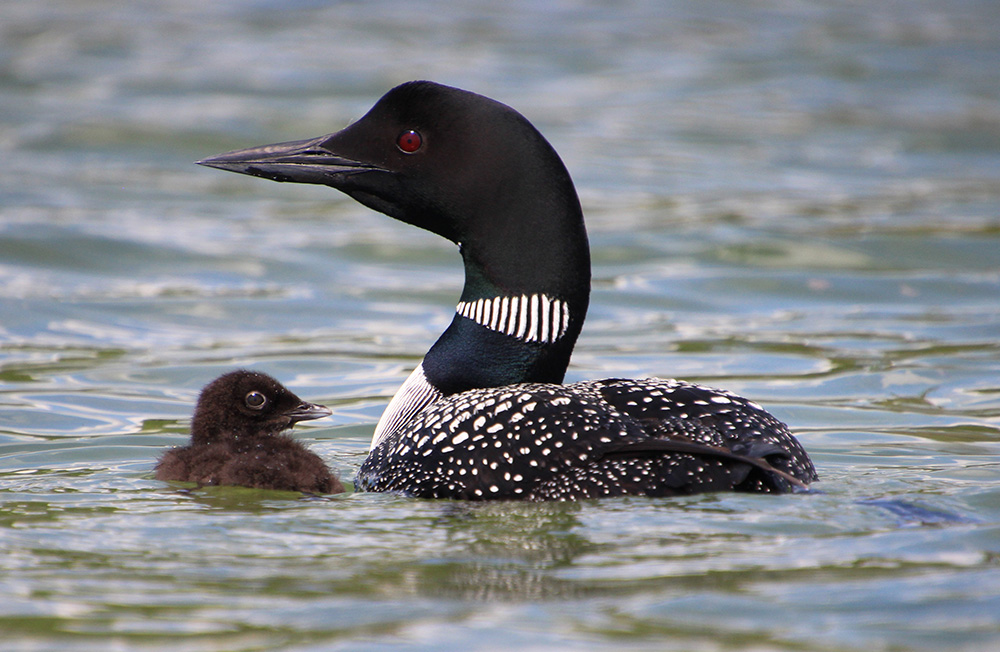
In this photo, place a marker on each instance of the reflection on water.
(797, 202)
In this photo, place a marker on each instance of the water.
(797, 201)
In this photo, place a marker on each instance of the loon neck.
(519, 315)
(498, 337)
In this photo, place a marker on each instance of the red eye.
(409, 141)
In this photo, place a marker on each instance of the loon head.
(461, 165)
(243, 405)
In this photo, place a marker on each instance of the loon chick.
(484, 416)
(236, 439)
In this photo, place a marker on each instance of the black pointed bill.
(308, 412)
(299, 161)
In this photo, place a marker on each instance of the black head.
(458, 164)
(244, 404)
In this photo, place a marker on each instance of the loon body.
(485, 415)
(236, 439)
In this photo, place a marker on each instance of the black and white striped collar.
(529, 318)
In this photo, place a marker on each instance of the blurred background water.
(798, 201)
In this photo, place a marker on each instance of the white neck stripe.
(523, 318)
(534, 318)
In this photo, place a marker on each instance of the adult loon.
(236, 439)
(484, 416)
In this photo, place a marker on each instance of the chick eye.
(255, 400)
(409, 141)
